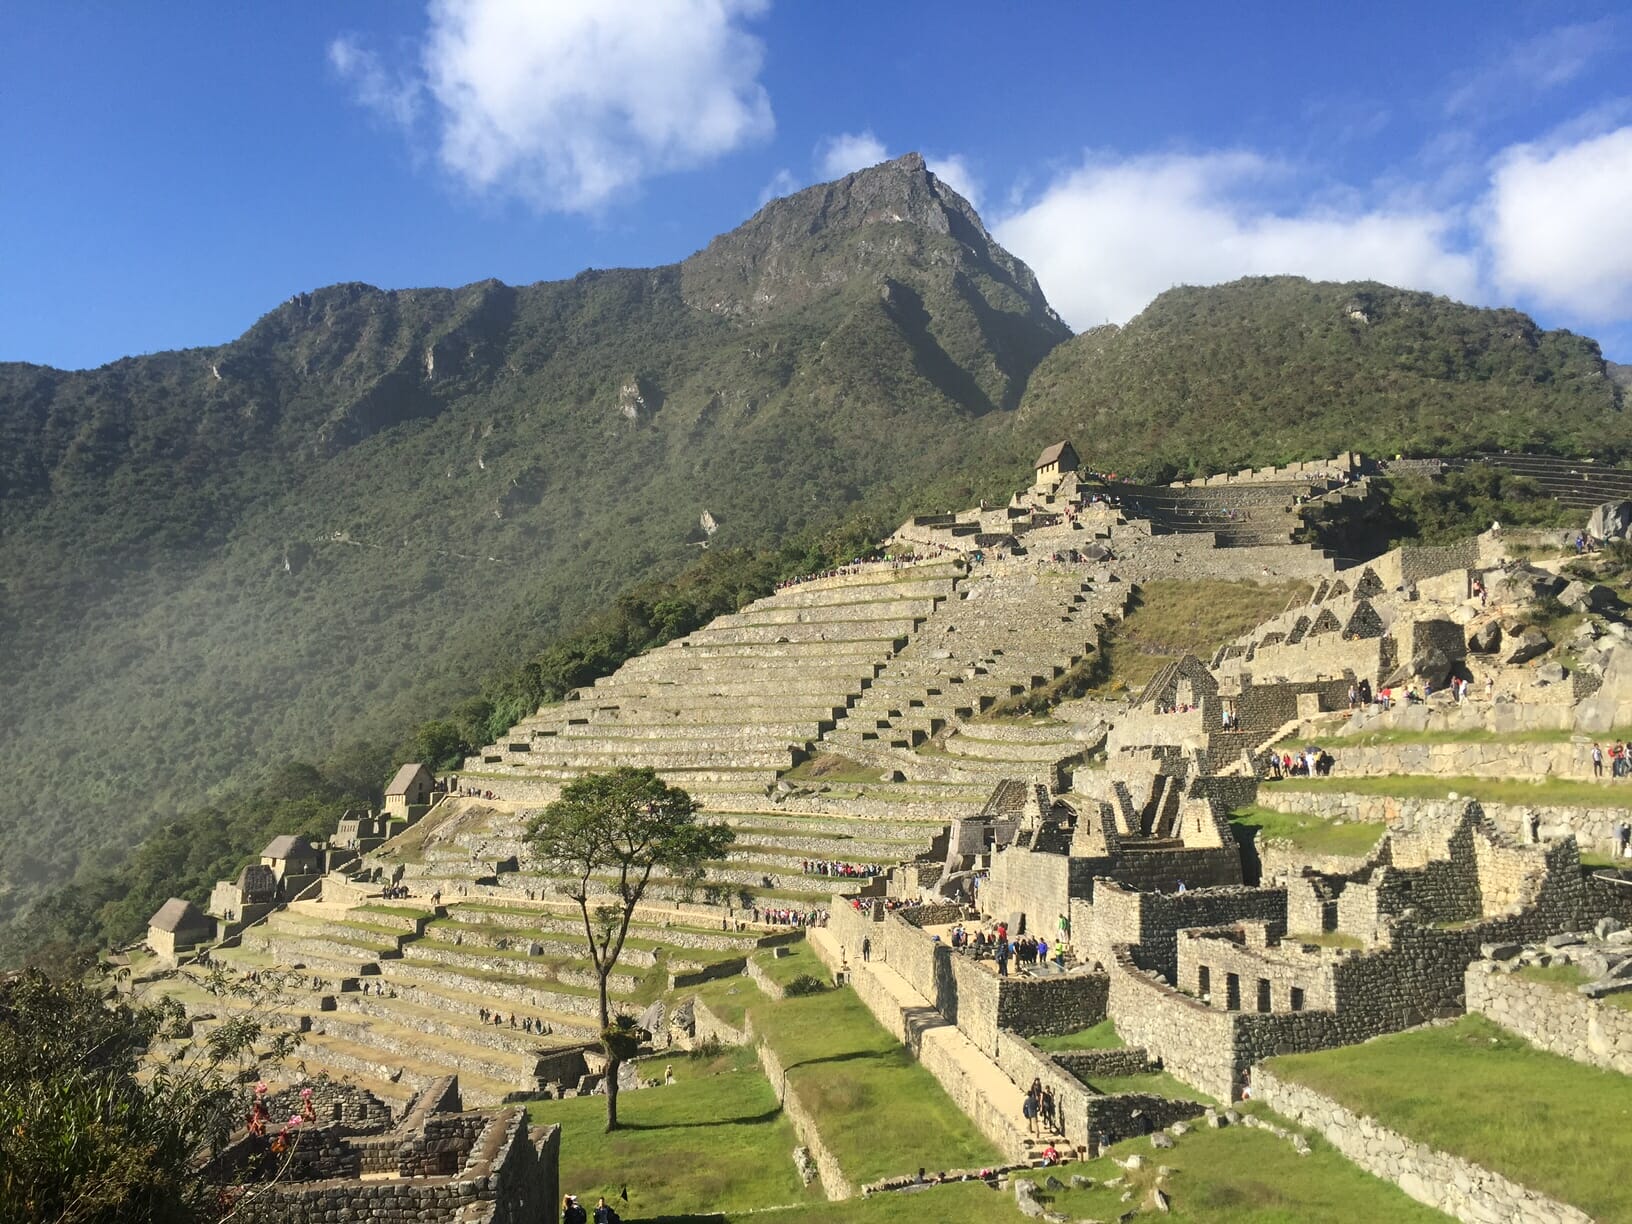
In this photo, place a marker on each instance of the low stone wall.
(709, 1026)
(1590, 1031)
(834, 1183)
(1089, 1065)
(1592, 827)
(1447, 1183)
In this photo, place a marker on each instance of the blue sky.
(174, 171)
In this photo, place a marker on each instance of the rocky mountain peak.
(893, 219)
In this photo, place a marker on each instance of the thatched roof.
(290, 845)
(177, 914)
(404, 778)
(1056, 454)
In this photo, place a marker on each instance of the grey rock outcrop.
(1610, 520)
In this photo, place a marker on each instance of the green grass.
(1157, 1083)
(784, 969)
(1477, 1091)
(831, 767)
(1170, 617)
(728, 998)
(1566, 978)
(1102, 1036)
(716, 1140)
(1243, 1176)
(1310, 833)
(859, 1083)
(1562, 792)
(1400, 736)
(1326, 939)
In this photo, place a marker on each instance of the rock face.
(1611, 521)
(1528, 644)
(1486, 638)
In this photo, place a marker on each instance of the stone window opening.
(1263, 995)
(1297, 998)
(1204, 983)
(1232, 992)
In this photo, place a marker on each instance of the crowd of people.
(773, 916)
(394, 892)
(832, 867)
(1618, 755)
(1312, 762)
(527, 1024)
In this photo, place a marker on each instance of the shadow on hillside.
(770, 1115)
(851, 1056)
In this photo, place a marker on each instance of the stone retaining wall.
(1592, 1031)
(1592, 827)
(709, 1026)
(1447, 1183)
(834, 1183)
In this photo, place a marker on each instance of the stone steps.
(556, 974)
(349, 1058)
(448, 1001)
(832, 614)
(838, 633)
(518, 1070)
(510, 987)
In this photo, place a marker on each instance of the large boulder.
(1611, 521)
(1528, 644)
(1588, 596)
(1522, 584)
(1486, 638)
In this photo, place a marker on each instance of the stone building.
(244, 900)
(178, 927)
(294, 861)
(411, 786)
(440, 1162)
(1054, 463)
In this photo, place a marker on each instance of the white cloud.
(1533, 66)
(393, 96)
(1559, 225)
(566, 104)
(1106, 238)
(782, 183)
(844, 154)
(953, 170)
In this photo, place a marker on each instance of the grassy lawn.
(1473, 737)
(1313, 834)
(831, 767)
(860, 1084)
(1242, 1176)
(715, 1141)
(1563, 792)
(1102, 1036)
(1567, 977)
(1158, 1083)
(1325, 939)
(783, 969)
(1170, 617)
(1477, 1091)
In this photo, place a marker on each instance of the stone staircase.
(1010, 627)
(734, 704)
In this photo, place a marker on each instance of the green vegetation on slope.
(1268, 370)
(1477, 1091)
(1309, 833)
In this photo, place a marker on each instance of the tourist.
(1002, 958)
(1597, 760)
(572, 1211)
(1030, 1106)
(1047, 1105)
(1624, 836)
(668, 1074)
(604, 1213)
(866, 949)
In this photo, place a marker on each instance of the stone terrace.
(737, 702)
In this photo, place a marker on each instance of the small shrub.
(709, 1047)
(804, 984)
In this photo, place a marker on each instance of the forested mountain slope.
(337, 524)
(1271, 369)
(300, 544)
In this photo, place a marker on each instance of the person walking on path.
(866, 949)
(1002, 958)
(1032, 1105)
(1048, 1110)
(1597, 760)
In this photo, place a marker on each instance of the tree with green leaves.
(626, 824)
(83, 1136)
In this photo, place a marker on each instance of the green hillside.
(337, 525)
(1272, 369)
(377, 505)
